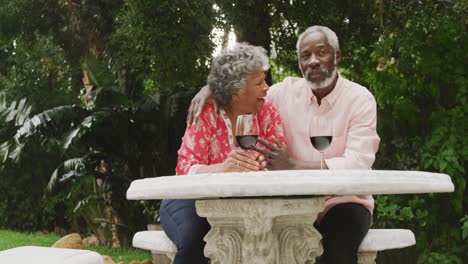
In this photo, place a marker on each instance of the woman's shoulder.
(268, 108)
(208, 116)
(208, 110)
(268, 112)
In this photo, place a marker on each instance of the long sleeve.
(362, 139)
(195, 147)
(271, 123)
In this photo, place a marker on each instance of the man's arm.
(362, 141)
(197, 104)
(277, 157)
(361, 146)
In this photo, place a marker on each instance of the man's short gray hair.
(230, 70)
(329, 34)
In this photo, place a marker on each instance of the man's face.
(317, 59)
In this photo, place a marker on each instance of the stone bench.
(376, 240)
(46, 255)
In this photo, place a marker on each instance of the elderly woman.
(237, 81)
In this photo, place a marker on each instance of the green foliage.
(113, 140)
(417, 75)
(167, 42)
(464, 227)
(35, 70)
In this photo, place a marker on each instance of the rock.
(91, 241)
(72, 241)
(108, 260)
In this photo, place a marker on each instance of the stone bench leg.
(367, 257)
(262, 231)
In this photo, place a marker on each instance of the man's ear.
(338, 57)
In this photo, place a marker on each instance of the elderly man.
(323, 94)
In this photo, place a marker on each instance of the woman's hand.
(262, 161)
(241, 160)
(197, 104)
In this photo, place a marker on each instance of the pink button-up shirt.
(351, 110)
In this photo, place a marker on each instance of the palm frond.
(51, 122)
(48, 125)
(15, 111)
(99, 74)
(68, 169)
(4, 150)
(81, 129)
(108, 98)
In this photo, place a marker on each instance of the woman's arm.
(195, 153)
(238, 160)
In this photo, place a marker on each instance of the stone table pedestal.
(262, 231)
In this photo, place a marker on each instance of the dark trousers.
(186, 229)
(343, 228)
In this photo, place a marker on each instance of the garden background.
(94, 94)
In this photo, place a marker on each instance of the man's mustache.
(320, 68)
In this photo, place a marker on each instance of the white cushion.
(156, 241)
(45, 255)
(384, 239)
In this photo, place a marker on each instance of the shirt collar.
(332, 96)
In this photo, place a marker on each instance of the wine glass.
(321, 135)
(247, 130)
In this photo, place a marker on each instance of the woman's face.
(250, 98)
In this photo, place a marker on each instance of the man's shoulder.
(288, 81)
(286, 86)
(355, 90)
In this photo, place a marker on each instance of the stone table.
(267, 217)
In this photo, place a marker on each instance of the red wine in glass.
(320, 134)
(247, 130)
(321, 143)
(247, 141)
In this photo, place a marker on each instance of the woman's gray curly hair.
(230, 70)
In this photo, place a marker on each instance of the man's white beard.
(322, 84)
(328, 80)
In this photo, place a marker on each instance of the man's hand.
(197, 104)
(276, 155)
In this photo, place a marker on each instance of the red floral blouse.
(210, 140)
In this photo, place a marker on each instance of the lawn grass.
(10, 239)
